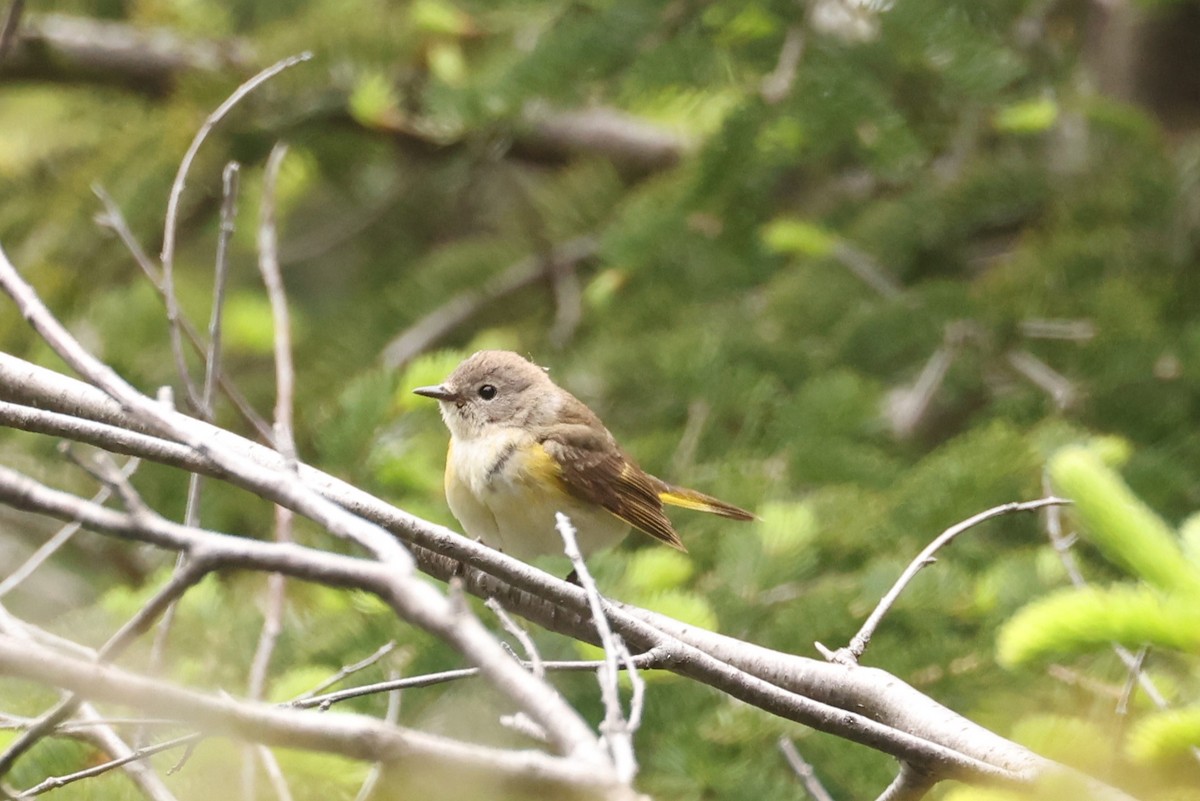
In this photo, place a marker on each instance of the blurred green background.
(815, 205)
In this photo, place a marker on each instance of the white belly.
(514, 511)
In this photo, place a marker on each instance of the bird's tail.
(691, 499)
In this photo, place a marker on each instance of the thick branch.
(78, 50)
(59, 48)
(422, 758)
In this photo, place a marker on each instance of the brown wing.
(593, 467)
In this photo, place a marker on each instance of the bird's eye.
(487, 392)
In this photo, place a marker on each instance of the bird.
(522, 449)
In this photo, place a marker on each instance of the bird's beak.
(439, 392)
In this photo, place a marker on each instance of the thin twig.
(906, 407)
(910, 784)
(858, 644)
(212, 361)
(274, 774)
(114, 220)
(637, 686)
(180, 582)
(778, 83)
(268, 265)
(212, 373)
(1135, 671)
(391, 716)
(177, 186)
(463, 307)
(618, 735)
(60, 538)
(12, 23)
(55, 782)
(866, 268)
(102, 468)
(348, 670)
(522, 636)
(644, 661)
(1044, 377)
(1070, 330)
(803, 770)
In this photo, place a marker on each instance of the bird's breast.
(505, 489)
(496, 463)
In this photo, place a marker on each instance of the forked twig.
(616, 728)
(858, 643)
(177, 186)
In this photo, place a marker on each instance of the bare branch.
(412, 598)
(114, 220)
(212, 361)
(778, 83)
(643, 661)
(268, 266)
(858, 643)
(12, 22)
(424, 759)
(98, 732)
(180, 582)
(522, 636)
(60, 538)
(866, 268)
(618, 734)
(462, 308)
(130, 759)
(212, 373)
(910, 784)
(803, 770)
(391, 716)
(168, 248)
(633, 145)
(1044, 377)
(57, 47)
(906, 407)
(284, 439)
(346, 671)
(274, 774)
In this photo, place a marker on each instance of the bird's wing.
(592, 467)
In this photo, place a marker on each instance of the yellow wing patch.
(539, 465)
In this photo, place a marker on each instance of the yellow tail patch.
(698, 501)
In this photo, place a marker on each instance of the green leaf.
(1077, 620)
(786, 528)
(1126, 530)
(426, 370)
(434, 16)
(447, 62)
(654, 569)
(1027, 117)
(248, 326)
(1189, 533)
(1165, 736)
(373, 99)
(798, 237)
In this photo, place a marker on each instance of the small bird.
(523, 448)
